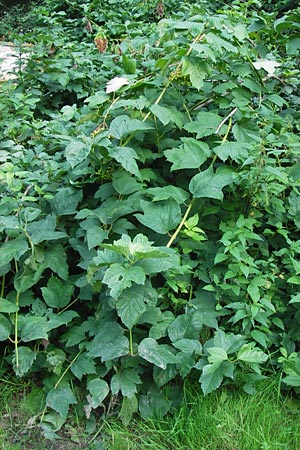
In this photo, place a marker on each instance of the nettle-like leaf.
(184, 327)
(23, 364)
(131, 304)
(13, 249)
(63, 318)
(60, 399)
(66, 200)
(196, 69)
(123, 125)
(220, 44)
(58, 293)
(117, 277)
(5, 328)
(77, 151)
(160, 355)
(34, 328)
(237, 151)
(191, 155)
(126, 382)
(109, 342)
(160, 217)
(128, 409)
(7, 307)
(246, 131)
(137, 249)
(167, 192)
(206, 124)
(83, 365)
(154, 405)
(167, 115)
(56, 260)
(209, 184)
(213, 374)
(98, 390)
(249, 354)
(216, 355)
(126, 156)
(74, 335)
(229, 342)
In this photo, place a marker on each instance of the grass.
(224, 420)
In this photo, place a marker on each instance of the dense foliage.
(150, 204)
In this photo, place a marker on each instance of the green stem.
(2, 286)
(174, 236)
(227, 131)
(16, 330)
(130, 342)
(70, 365)
(68, 306)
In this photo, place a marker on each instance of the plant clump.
(149, 211)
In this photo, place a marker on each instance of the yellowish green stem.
(174, 236)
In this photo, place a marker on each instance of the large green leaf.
(74, 335)
(123, 125)
(29, 276)
(124, 183)
(137, 249)
(26, 358)
(160, 355)
(161, 217)
(58, 293)
(13, 248)
(246, 131)
(83, 365)
(44, 230)
(154, 405)
(211, 378)
(131, 305)
(60, 399)
(209, 184)
(190, 155)
(5, 327)
(126, 381)
(126, 156)
(167, 115)
(77, 151)
(249, 354)
(66, 200)
(56, 259)
(205, 125)
(128, 408)
(109, 342)
(219, 44)
(188, 345)
(229, 342)
(34, 328)
(293, 379)
(237, 151)
(98, 389)
(7, 306)
(196, 69)
(167, 192)
(57, 320)
(184, 327)
(118, 278)
(216, 355)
